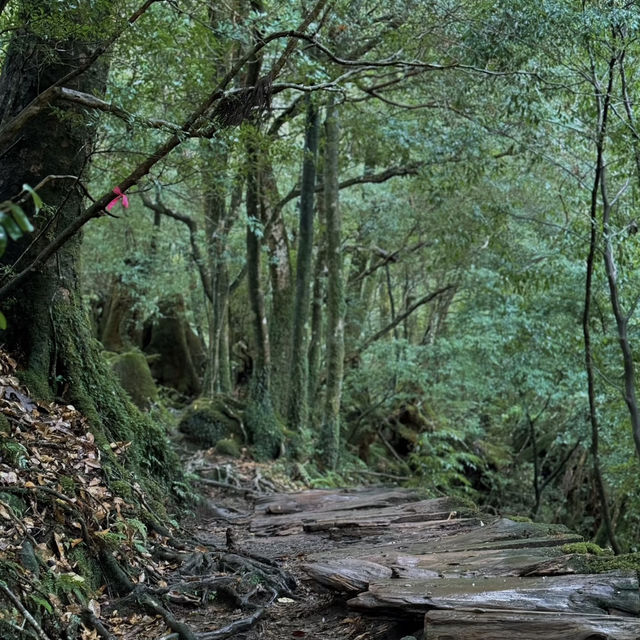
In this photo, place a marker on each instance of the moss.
(608, 562)
(228, 447)
(86, 566)
(38, 384)
(584, 547)
(522, 519)
(5, 425)
(159, 509)
(266, 431)
(85, 380)
(16, 503)
(122, 489)
(68, 485)
(134, 375)
(208, 420)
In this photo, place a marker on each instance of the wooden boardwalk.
(467, 575)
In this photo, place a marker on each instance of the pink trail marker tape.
(119, 197)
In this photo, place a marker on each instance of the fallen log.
(502, 534)
(607, 593)
(289, 516)
(351, 575)
(536, 561)
(343, 499)
(355, 571)
(525, 625)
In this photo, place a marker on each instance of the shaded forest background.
(379, 240)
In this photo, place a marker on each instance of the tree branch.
(374, 178)
(186, 130)
(44, 99)
(162, 209)
(398, 319)
(389, 257)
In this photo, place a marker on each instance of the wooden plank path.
(467, 575)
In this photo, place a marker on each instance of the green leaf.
(3, 321)
(20, 217)
(37, 200)
(42, 602)
(12, 228)
(3, 240)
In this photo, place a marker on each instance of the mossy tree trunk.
(216, 230)
(49, 330)
(282, 284)
(260, 415)
(330, 432)
(298, 409)
(314, 354)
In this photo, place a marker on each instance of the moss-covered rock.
(209, 420)
(228, 447)
(134, 375)
(180, 355)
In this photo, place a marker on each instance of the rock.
(133, 372)
(208, 421)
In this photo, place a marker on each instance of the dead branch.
(20, 607)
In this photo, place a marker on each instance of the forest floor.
(314, 612)
(262, 557)
(229, 517)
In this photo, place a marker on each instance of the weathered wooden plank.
(525, 625)
(504, 562)
(322, 519)
(536, 561)
(340, 499)
(593, 594)
(498, 535)
(351, 576)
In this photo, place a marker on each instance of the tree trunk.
(49, 330)
(603, 105)
(282, 286)
(298, 409)
(330, 433)
(260, 414)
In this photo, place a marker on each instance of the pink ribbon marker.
(119, 196)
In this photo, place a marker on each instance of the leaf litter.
(63, 529)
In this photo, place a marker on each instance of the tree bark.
(49, 329)
(602, 105)
(330, 433)
(298, 408)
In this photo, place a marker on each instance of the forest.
(355, 242)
